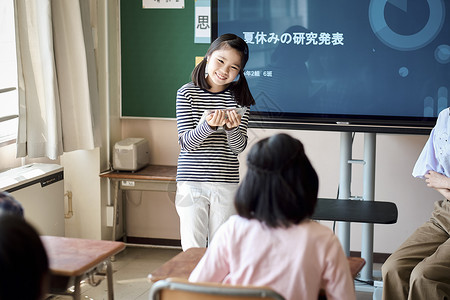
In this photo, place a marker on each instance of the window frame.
(8, 76)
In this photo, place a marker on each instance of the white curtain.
(58, 94)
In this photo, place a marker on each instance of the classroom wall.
(152, 214)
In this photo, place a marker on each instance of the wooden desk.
(183, 264)
(179, 266)
(72, 260)
(150, 178)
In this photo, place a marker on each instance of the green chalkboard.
(158, 55)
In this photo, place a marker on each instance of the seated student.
(420, 267)
(272, 241)
(9, 205)
(24, 267)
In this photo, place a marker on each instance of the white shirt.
(435, 155)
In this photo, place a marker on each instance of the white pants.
(202, 208)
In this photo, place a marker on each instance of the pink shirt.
(296, 262)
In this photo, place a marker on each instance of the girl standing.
(272, 241)
(208, 167)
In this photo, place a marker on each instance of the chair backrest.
(181, 289)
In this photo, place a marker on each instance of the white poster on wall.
(202, 22)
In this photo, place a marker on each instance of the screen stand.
(344, 187)
(368, 195)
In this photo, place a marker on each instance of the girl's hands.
(217, 118)
(227, 118)
(233, 119)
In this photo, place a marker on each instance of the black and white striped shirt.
(207, 155)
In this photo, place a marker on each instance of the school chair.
(181, 289)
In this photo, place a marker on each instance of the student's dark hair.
(239, 88)
(280, 187)
(9, 205)
(24, 266)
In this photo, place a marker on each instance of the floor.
(132, 266)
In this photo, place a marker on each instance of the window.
(8, 74)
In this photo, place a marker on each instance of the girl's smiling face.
(223, 67)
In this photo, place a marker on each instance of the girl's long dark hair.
(21, 249)
(239, 88)
(280, 187)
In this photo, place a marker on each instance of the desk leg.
(116, 211)
(124, 215)
(116, 195)
(109, 274)
(77, 288)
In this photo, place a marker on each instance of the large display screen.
(375, 64)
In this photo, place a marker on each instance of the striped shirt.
(207, 155)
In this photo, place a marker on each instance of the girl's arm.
(338, 281)
(214, 265)
(237, 136)
(439, 182)
(209, 269)
(189, 136)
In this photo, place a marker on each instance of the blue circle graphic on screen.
(442, 54)
(403, 71)
(406, 42)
